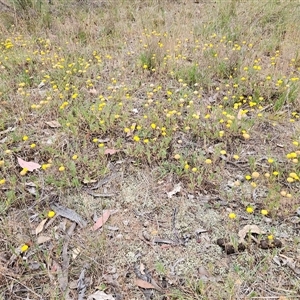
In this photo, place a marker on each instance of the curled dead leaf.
(29, 165)
(144, 284)
(40, 227)
(249, 229)
(53, 124)
(110, 151)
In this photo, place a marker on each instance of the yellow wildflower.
(61, 169)
(51, 214)
(264, 212)
(24, 248)
(232, 215)
(249, 209)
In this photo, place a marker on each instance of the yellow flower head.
(61, 169)
(24, 172)
(51, 214)
(24, 248)
(264, 212)
(249, 209)
(232, 215)
(294, 176)
(246, 136)
(136, 138)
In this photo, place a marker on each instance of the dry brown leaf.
(144, 284)
(43, 239)
(29, 165)
(111, 151)
(249, 229)
(31, 184)
(2, 141)
(69, 214)
(86, 181)
(102, 220)
(75, 252)
(291, 263)
(53, 124)
(103, 140)
(100, 295)
(40, 227)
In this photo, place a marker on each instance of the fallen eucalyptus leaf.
(29, 165)
(69, 214)
(40, 227)
(53, 124)
(102, 220)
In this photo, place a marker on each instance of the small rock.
(126, 222)
(268, 220)
(119, 236)
(146, 224)
(230, 184)
(112, 228)
(295, 220)
(240, 178)
(146, 236)
(34, 266)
